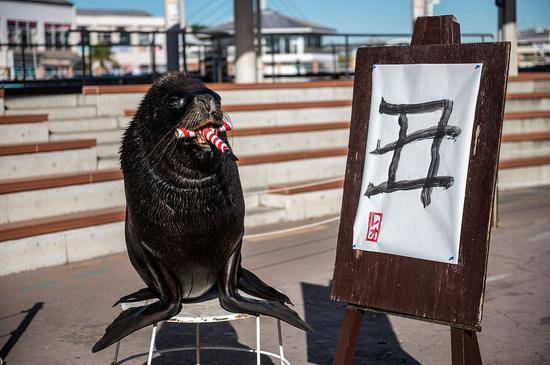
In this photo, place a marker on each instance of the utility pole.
(507, 30)
(172, 23)
(259, 60)
(245, 58)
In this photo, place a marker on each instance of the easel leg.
(349, 333)
(464, 347)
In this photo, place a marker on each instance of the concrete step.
(104, 136)
(529, 82)
(526, 122)
(282, 93)
(61, 239)
(290, 138)
(83, 125)
(41, 101)
(23, 128)
(524, 172)
(30, 198)
(525, 145)
(261, 216)
(36, 159)
(522, 102)
(306, 199)
(58, 113)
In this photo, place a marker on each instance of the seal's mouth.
(206, 136)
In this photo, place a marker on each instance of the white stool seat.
(205, 311)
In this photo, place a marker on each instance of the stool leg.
(197, 344)
(281, 350)
(152, 346)
(258, 342)
(115, 358)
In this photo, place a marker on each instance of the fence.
(123, 57)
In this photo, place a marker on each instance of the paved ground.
(65, 309)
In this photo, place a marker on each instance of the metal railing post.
(272, 58)
(23, 60)
(153, 57)
(346, 40)
(83, 56)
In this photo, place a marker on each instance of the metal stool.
(207, 311)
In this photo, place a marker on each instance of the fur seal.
(184, 213)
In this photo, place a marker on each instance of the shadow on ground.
(377, 342)
(14, 336)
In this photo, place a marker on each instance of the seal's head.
(174, 101)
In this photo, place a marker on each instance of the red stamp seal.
(373, 230)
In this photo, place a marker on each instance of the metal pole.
(24, 63)
(334, 61)
(347, 54)
(258, 342)
(152, 345)
(153, 56)
(115, 358)
(197, 344)
(83, 56)
(218, 60)
(281, 349)
(272, 58)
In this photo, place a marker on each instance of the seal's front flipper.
(137, 318)
(138, 296)
(253, 285)
(232, 301)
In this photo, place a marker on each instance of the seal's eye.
(177, 103)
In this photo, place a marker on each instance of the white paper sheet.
(416, 222)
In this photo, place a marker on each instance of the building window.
(104, 38)
(56, 34)
(124, 37)
(144, 39)
(21, 31)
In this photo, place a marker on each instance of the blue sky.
(354, 16)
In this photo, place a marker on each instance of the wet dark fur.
(185, 213)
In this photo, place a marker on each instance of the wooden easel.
(440, 30)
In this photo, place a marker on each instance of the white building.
(132, 53)
(534, 48)
(39, 22)
(294, 48)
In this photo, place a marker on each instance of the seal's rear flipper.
(134, 319)
(232, 301)
(253, 285)
(138, 296)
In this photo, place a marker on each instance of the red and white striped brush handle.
(210, 134)
(186, 133)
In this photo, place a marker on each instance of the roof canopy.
(275, 22)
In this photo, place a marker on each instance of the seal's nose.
(206, 100)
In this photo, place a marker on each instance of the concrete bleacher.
(62, 196)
